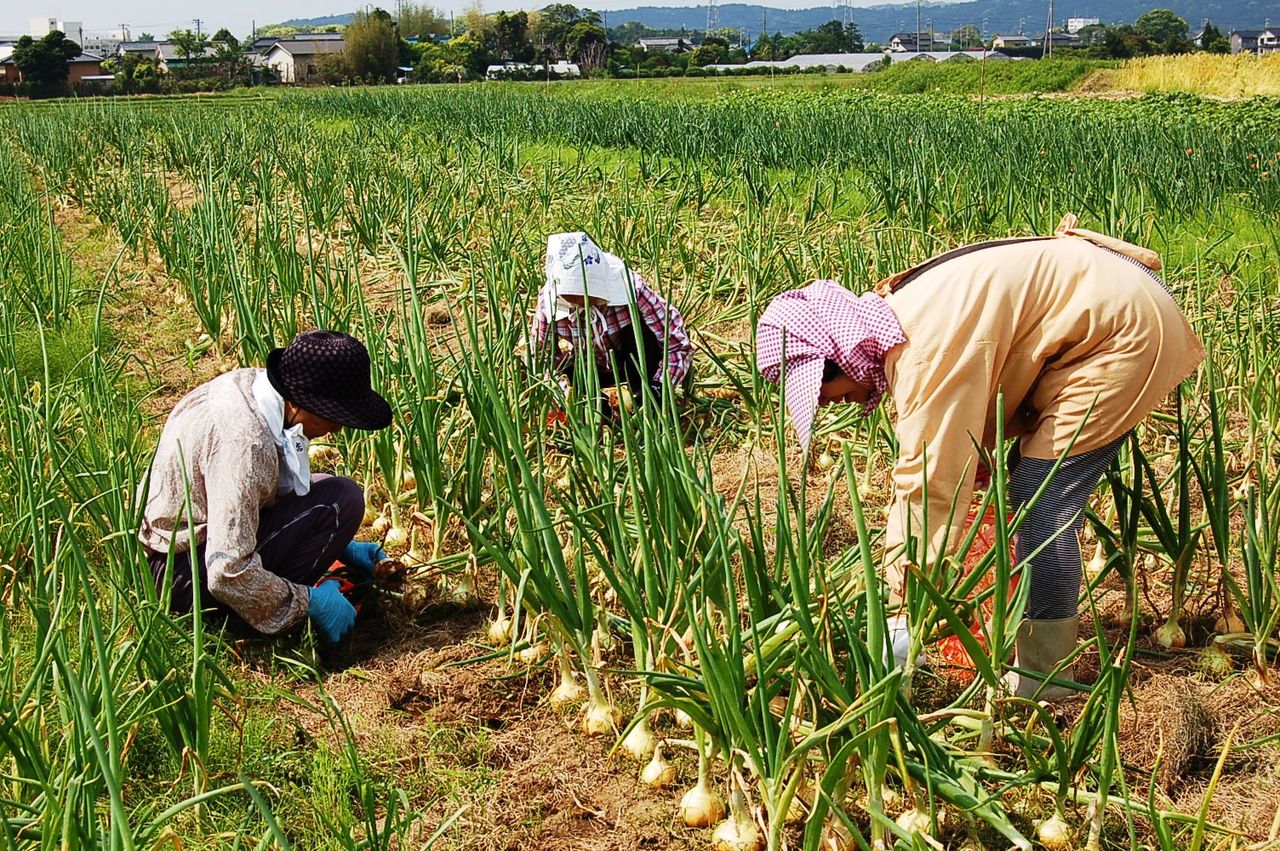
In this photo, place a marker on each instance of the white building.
(298, 60)
(1018, 40)
(41, 27)
(1074, 25)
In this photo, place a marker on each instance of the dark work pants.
(298, 539)
(627, 357)
(1055, 573)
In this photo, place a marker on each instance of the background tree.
(372, 50)
(146, 37)
(966, 36)
(1213, 41)
(1165, 29)
(44, 61)
(422, 20)
(188, 44)
(511, 36)
(230, 57)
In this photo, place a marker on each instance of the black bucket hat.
(326, 373)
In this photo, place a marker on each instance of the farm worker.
(1075, 330)
(231, 489)
(593, 298)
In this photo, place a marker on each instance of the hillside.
(881, 21)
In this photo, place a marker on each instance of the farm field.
(581, 590)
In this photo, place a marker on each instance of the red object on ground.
(556, 418)
(953, 660)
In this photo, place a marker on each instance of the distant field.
(1235, 76)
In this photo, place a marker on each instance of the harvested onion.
(912, 821)
(639, 743)
(738, 832)
(569, 690)
(1170, 635)
(658, 773)
(701, 806)
(499, 631)
(599, 718)
(1054, 833)
(396, 539)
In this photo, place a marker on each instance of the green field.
(681, 559)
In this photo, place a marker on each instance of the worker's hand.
(331, 612)
(363, 555)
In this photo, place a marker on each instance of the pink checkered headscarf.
(822, 322)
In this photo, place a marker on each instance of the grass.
(1241, 75)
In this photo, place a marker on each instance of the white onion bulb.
(658, 773)
(701, 806)
(1054, 833)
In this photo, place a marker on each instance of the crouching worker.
(231, 501)
(1076, 331)
(593, 305)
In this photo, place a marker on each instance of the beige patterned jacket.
(218, 441)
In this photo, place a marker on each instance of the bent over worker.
(231, 502)
(1076, 331)
(593, 301)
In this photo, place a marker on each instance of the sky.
(160, 16)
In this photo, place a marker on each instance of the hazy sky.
(161, 16)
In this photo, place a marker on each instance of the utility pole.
(196, 21)
(124, 32)
(917, 26)
(1048, 35)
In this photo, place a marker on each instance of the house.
(566, 69)
(1056, 40)
(140, 49)
(1245, 41)
(908, 42)
(1074, 25)
(663, 45)
(84, 65)
(1018, 40)
(1269, 41)
(298, 60)
(169, 58)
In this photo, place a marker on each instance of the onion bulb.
(409, 481)
(599, 718)
(534, 653)
(1230, 623)
(639, 743)
(658, 773)
(825, 461)
(738, 832)
(682, 719)
(569, 690)
(372, 516)
(463, 591)
(396, 539)
(380, 525)
(499, 631)
(913, 822)
(323, 453)
(1054, 833)
(701, 806)
(1170, 635)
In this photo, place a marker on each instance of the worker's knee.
(349, 499)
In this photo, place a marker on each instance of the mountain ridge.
(878, 23)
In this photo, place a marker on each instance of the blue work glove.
(363, 554)
(331, 611)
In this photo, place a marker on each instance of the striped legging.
(1056, 518)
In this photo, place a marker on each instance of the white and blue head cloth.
(577, 266)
